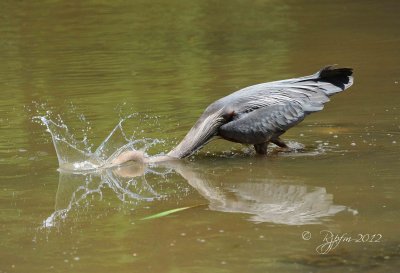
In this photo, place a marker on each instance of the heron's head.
(204, 130)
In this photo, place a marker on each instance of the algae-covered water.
(80, 80)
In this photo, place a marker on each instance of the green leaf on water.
(168, 212)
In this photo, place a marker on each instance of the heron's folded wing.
(264, 123)
(313, 89)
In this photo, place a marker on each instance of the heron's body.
(259, 114)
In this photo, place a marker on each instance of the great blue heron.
(261, 113)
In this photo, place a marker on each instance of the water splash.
(70, 156)
(78, 156)
(118, 142)
(83, 169)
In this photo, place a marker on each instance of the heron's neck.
(199, 135)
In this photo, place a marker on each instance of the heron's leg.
(261, 148)
(279, 142)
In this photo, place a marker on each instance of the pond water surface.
(87, 66)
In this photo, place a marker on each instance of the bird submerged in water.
(261, 113)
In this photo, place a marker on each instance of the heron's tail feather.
(332, 80)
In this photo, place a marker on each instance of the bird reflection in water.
(272, 199)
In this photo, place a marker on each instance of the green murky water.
(95, 62)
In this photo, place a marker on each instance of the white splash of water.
(77, 156)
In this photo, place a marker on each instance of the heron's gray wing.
(280, 95)
(329, 80)
(264, 123)
(309, 90)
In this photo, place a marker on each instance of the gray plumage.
(259, 114)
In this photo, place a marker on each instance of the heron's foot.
(284, 150)
(282, 146)
(279, 150)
